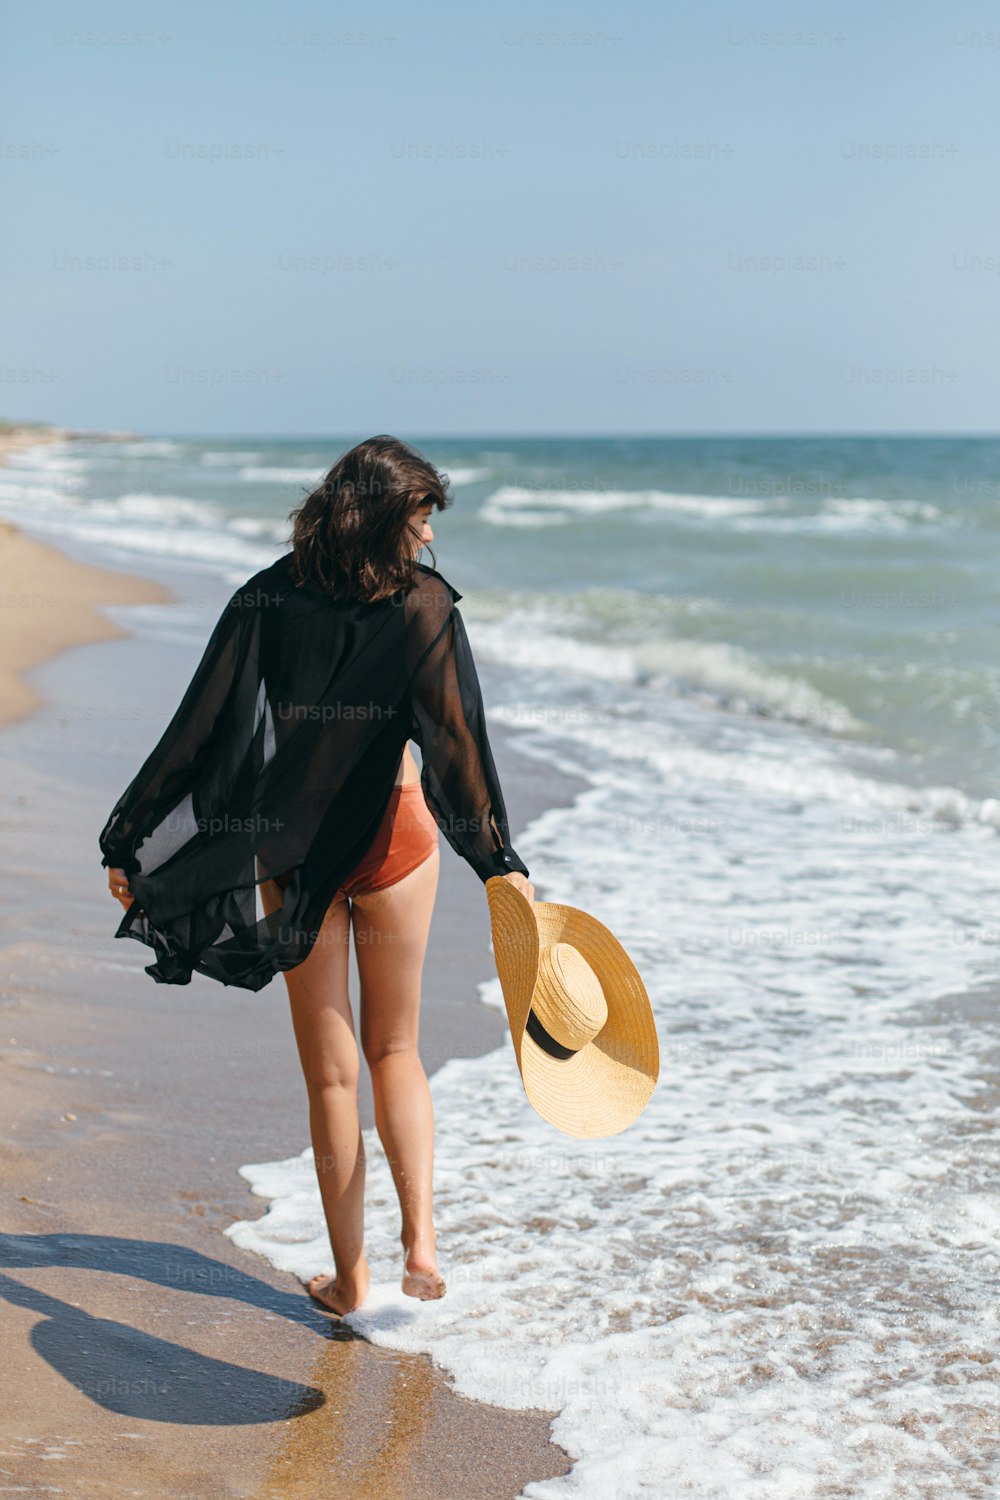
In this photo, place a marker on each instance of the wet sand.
(146, 1354)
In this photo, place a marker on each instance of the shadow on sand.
(136, 1374)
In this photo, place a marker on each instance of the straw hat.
(580, 1019)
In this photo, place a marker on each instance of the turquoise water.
(848, 584)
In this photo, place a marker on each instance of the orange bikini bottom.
(407, 835)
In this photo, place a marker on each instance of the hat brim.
(604, 1087)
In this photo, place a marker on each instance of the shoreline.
(52, 602)
(124, 1121)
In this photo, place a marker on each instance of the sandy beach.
(49, 601)
(147, 1354)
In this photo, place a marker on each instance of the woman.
(283, 808)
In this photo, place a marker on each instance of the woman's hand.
(522, 883)
(118, 886)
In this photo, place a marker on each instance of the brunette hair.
(350, 535)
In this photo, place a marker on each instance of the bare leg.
(391, 928)
(328, 1052)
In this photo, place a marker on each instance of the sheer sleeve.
(173, 766)
(448, 722)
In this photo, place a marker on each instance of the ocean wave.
(515, 505)
(153, 448)
(166, 508)
(511, 504)
(467, 476)
(173, 527)
(68, 470)
(206, 546)
(859, 514)
(524, 518)
(260, 526)
(22, 497)
(265, 474)
(728, 675)
(225, 459)
(805, 773)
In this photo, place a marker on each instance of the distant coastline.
(14, 435)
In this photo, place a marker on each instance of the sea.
(773, 661)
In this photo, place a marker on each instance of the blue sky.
(682, 217)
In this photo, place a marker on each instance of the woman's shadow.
(136, 1374)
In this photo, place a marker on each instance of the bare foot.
(421, 1277)
(340, 1295)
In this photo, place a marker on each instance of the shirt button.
(506, 859)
